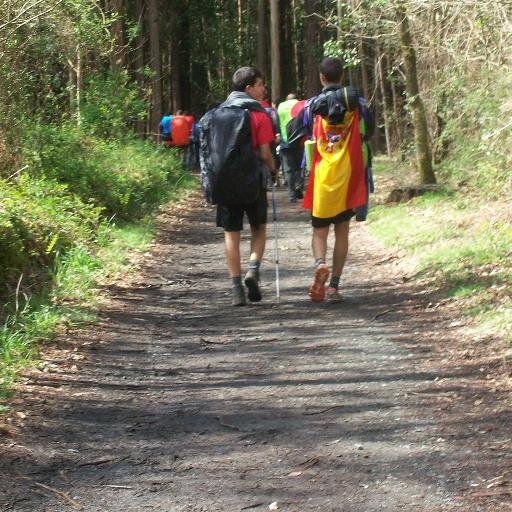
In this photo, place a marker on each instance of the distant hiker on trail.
(180, 130)
(193, 148)
(190, 119)
(338, 182)
(291, 156)
(190, 159)
(272, 113)
(164, 129)
(235, 160)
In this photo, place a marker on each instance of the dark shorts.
(345, 216)
(230, 217)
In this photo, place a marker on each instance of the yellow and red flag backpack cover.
(337, 180)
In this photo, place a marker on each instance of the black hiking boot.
(252, 281)
(238, 298)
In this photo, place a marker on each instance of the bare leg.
(319, 242)
(232, 251)
(258, 240)
(339, 255)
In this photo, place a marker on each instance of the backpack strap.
(346, 98)
(307, 118)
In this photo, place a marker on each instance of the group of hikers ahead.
(329, 131)
(180, 130)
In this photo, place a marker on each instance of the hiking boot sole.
(317, 289)
(253, 288)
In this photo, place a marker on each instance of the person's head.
(249, 79)
(179, 112)
(291, 96)
(331, 71)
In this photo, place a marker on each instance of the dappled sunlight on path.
(184, 403)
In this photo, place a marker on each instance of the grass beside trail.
(457, 242)
(67, 224)
(72, 300)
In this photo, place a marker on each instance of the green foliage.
(125, 179)
(337, 48)
(478, 133)
(111, 105)
(37, 49)
(457, 245)
(75, 274)
(39, 219)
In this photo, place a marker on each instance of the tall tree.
(175, 59)
(155, 61)
(138, 60)
(117, 56)
(379, 57)
(311, 47)
(421, 135)
(275, 49)
(262, 37)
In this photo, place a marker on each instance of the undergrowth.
(67, 221)
(460, 244)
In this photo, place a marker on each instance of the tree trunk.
(139, 60)
(385, 109)
(240, 23)
(117, 57)
(340, 6)
(155, 62)
(364, 69)
(421, 136)
(175, 62)
(262, 37)
(295, 28)
(311, 45)
(397, 138)
(79, 86)
(209, 67)
(275, 49)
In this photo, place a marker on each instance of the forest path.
(176, 402)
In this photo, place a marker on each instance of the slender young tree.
(311, 47)
(421, 135)
(175, 59)
(155, 61)
(275, 49)
(379, 57)
(138, 60)
(262, 37)
(117, 56)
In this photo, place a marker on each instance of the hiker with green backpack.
(291, 155)
(236, 161)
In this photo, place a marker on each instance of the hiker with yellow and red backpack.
(340, 175)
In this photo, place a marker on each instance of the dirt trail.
(178, 402)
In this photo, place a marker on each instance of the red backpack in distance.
(180, 131)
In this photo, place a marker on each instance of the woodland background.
(83, 84)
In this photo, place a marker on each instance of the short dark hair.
(245, 76)
(332, 69)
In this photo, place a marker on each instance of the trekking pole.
(276, 247)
